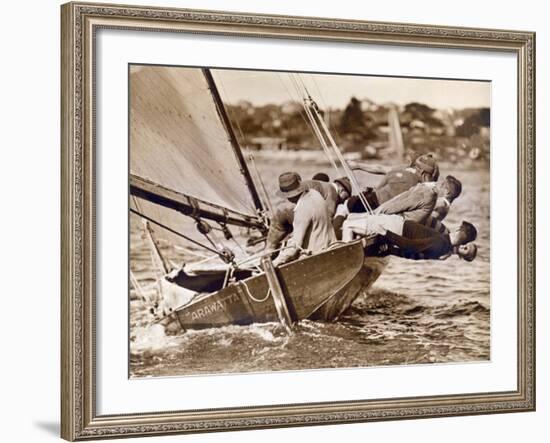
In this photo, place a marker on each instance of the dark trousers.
(355, 204)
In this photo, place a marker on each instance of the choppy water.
(417, 312)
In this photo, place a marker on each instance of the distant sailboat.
(188, 177)
(396, 135)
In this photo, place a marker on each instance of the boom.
(190, 206)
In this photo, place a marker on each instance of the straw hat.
(290, 185)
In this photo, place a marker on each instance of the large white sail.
(180, 143)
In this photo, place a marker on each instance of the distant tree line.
(361, 123)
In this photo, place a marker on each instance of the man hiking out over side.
(419, 202)
(419, 242)
(416, 204)
(413, 240)
(396, 180)
(441, 210)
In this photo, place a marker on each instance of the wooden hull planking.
(339, 302)
(307, 284)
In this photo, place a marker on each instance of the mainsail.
(184, 157)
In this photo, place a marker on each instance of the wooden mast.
(232, 139)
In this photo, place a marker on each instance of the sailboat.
(190, 182)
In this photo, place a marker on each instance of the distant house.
(417, 124)
(268, 143)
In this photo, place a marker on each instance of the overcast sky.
(335, 91)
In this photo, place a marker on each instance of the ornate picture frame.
(80, 23)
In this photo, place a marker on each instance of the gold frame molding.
(79, 22)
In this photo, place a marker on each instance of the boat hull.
(342, 300)
(320, 287)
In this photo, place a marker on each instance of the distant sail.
(180, 142)
(395, 135)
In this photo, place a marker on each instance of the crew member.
(441, 209)
(419, 242)
(312, 226)
(413, 240)
(418, 203)
(334, 194)
(321, 177)
(395, 181)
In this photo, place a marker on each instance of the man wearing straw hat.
(312, 225)
(334, 194)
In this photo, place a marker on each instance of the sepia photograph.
(285, 221)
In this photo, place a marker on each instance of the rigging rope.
(321, 138)
(312, 122)
(179, 234)
(247, 291)
(341, 158)
(305, 103)
(204, 228)
(159, 261)
(325, 106)
(138, 287)
(265, 195)
(191, 252)
(313, 109)
(297, 100)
